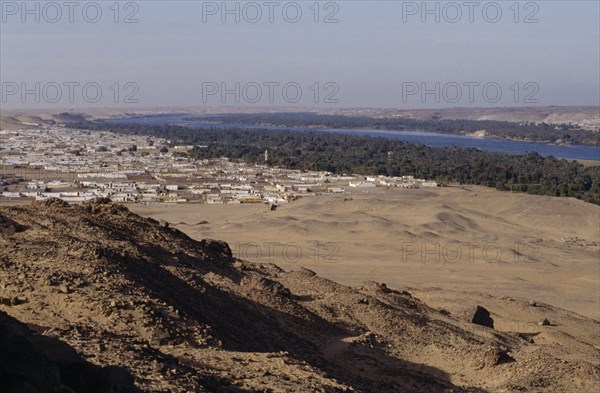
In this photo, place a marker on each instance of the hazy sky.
(373, 54)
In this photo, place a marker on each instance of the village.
(79, 165)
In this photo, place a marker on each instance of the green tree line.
(536, 132)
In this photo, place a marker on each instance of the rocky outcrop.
(480, 316)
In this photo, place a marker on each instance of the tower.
(266, 155)
(390, 157)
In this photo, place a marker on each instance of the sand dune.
(480, 240)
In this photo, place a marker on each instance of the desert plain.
(438, 241)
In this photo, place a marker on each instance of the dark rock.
(216, 246)
(495, 356)
(504, 357)
(307, 272)
(101, 201)
(52, 203)
(481, 316)
(9, 227)
(375, 287)
(544, 322)
(272, 286)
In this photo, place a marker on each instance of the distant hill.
(586, 117)
(17, 121)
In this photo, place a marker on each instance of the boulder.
(216, 247)
(268, 285)
(480, 316)
(307, 272)
(375, 287)
(544, 322)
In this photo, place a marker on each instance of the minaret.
(266, 156)
(391, 156)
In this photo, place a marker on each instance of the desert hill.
(14, 120)
(586, 117)
(184, 315)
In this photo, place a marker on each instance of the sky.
(378, 54)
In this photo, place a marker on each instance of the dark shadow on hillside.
(245, 325)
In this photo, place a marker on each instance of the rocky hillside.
(184, 316)
(33, 362)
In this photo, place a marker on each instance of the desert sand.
(467, 239)
(111, 298)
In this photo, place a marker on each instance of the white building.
(361, 184)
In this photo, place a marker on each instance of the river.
(572, 152)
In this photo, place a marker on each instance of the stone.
(272, 286)
(307, 272)
(216, 246)
(481, 316)
(375, 287)
(238, 265)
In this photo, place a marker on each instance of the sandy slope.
(508, 244)
(184, 315)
